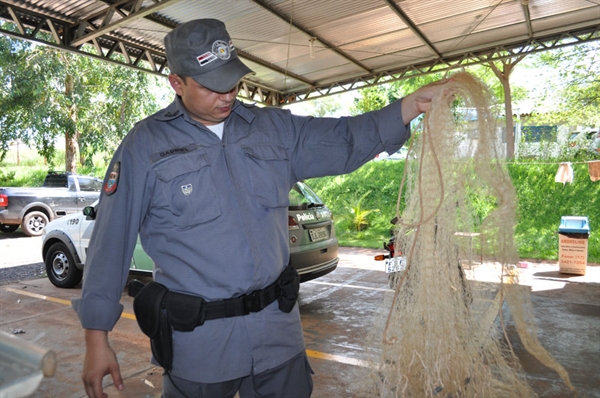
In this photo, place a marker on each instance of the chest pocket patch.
(269, 170)
(187, 185)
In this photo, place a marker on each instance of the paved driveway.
(338, 311)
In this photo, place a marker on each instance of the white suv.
(312, 241)
(64, 248)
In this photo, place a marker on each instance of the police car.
(313, 245)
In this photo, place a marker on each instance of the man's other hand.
(100, 360)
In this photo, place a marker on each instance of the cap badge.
(222, 49)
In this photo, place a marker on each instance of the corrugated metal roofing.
(352, 42)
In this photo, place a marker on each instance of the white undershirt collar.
(217, 129)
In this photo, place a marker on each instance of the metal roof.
(303, 49)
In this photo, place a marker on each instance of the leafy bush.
(356, 215)
(382, 179)
(23, 176)
(6, 178)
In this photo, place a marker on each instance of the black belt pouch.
(289, 285)
(185, 312)
(152, 318)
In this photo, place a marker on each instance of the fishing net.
(437, 338)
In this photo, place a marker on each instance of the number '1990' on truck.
(33, 208)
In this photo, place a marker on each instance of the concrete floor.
(338, 311)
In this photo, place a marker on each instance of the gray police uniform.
(212, 214)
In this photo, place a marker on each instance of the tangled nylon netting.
(435, 341)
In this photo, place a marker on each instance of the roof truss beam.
(525, 4)
(447, 64)
(28, 25)
(408, 22)
(106, 46)
(104, 23)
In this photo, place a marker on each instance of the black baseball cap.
(202, 50)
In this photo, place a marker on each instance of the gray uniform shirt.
(212, 214)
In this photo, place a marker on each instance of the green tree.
(47, 94)
(572, 85)
(376, 97)
(325, 106)
(370, 99)
(503, 69)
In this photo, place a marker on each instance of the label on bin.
(572, 254)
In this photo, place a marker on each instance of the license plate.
(395, 264)
(317, 234)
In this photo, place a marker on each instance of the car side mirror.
(89, 212)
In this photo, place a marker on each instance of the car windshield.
(302, 197)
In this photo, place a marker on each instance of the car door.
(86, 227)
(88, 192)
(62, 201)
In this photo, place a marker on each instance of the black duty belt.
(188, 311)
(159, 310)
(243, 305)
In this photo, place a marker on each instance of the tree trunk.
(70, 152)
(70, 134)
(510, 130)
(504, 76)
(82, 158)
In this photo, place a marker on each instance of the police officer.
(205, 183)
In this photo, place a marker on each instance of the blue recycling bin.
(574, 225)
(573, 235)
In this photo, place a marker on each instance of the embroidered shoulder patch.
(110, 185)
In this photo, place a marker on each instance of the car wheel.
(34, 223)
(61, 268)
(8, 228)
